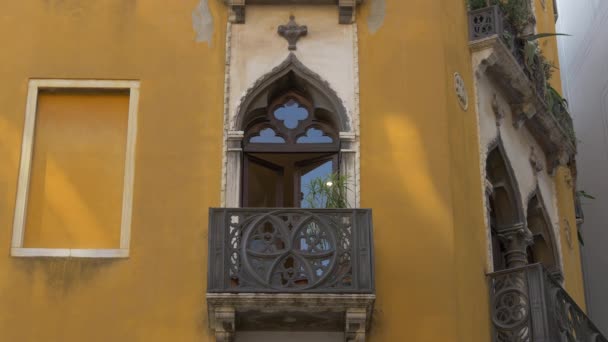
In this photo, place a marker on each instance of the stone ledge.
(229, 312)
(528, 107)
(346, 7)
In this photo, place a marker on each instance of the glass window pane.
(291, 114)
(314, 136)
(310, 182)
(267, 136)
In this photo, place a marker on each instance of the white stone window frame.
(34, 87)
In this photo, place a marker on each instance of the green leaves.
(537, 36)
(328, 192)
(582, 193)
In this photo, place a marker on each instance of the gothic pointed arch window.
(543, 249)
(291, 123)
(504, 204)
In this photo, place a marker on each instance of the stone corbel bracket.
(352, 310)
(346, 8)
(495, 60)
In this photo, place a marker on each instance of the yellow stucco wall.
(545, 23)
(419, 171)
(569, 239)
(158, 293)
(429, 230)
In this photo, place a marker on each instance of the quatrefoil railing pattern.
(290, 250)
(529, 305)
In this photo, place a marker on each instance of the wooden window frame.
(34, 87)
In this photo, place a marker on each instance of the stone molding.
(346, 8)
(355, 310)
(529, 110)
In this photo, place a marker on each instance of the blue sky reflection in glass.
(291, 114)
(267, 136)
(314, 136)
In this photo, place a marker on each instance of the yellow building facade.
(123, 122)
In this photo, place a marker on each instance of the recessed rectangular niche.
(76, 175)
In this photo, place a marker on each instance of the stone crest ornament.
(498, 112)
(535, 162)
(461, 91)
(292, 32)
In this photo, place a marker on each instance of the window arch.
(543, 249)
(504, 203)
(289, 128)
(290, 124)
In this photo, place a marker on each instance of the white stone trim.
(34, 86)
(69, 253)
(240, 77)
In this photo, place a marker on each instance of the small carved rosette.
(511, 308)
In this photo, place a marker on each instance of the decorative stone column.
(516, 239)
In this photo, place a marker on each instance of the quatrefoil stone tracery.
(282, 254)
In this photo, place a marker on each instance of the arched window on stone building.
(543, 249)
(293, 129)
(505, 215)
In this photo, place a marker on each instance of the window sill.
(69, 253)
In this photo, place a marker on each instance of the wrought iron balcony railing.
(287, 250)
(529, 305)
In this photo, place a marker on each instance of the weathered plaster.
(254, 49)
(518, 144)
(202, 22)
(375, 19)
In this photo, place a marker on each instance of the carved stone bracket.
(237, 8)
(537, 165)
(292, 32)
(498, 112)
(347, 11)
(516, 239)
(295, 311)
(555, 159)
(346, 7)
(223, 322)
(522, 112)
(356, 320)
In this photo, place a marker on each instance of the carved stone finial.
(292, 32)
(537, 165)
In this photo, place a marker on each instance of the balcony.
(500, 54)
(529, 305)
(298, 269)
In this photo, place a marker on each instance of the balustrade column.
(516, 239)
